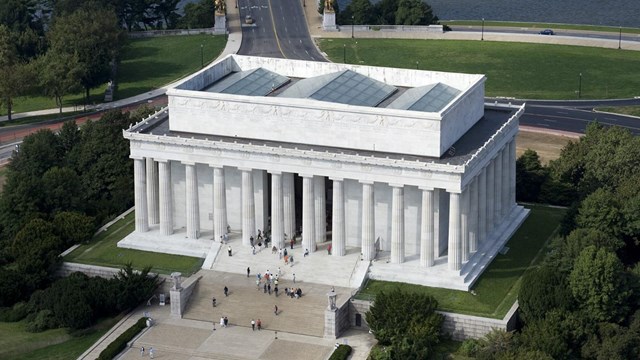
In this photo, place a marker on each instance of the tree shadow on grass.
(141, 71)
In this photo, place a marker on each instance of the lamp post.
(344, 53)
(620, 39)
(580, 86)
(201, 56)
(482, 34)
(417, 63)
(352, 21)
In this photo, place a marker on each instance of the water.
(591, 12)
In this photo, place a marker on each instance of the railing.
(175, 32)
(393, 28)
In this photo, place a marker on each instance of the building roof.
(254, 82)
(430, 98)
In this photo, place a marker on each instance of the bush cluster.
(341, 353)
(120, 343)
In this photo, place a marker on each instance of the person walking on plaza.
(291, 260)
(229, 250)
(226, 321)
(265, 288)
(142, 351)
(151, 352)
(275, 309)
(226, 291)
(253, 325)
(269, 288)
(222, 321)
(292, 242)
(248, 271)
(306, 252)
(259, 323)
(294, 278)
(275, 290)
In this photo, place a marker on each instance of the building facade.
(408, 165)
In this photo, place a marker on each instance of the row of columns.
(473, 213)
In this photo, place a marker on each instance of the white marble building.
(408, 166)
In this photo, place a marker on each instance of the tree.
(166, 10)
(25, 27)
(361, 11)
(414, 12)
(406, 322)
(95, 36)
(60, 74)
(385, 12)
(530, 175)
(69, 136)
(599, 284)
(543, 289)
(601, 210)
(14, 78)
(73, 227)
(62, 192)
(198, 15)
(134, 286)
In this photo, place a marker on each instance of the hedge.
(341, 353)
(120, 343)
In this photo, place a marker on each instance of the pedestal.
(220, 24)
(329, 21)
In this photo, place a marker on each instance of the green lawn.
(41, 118)
(145, 64)
(497, 288)
(521, 70)
(153, 62)
(18, 344)
(625, 110)
(103, 251)
(554, 26)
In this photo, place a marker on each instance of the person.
(291, 260)
(274, 249)
(279, 271)
(253, 249)
(226, 291)
(222, 321)
(226, 238)
(248, 271)
(294, 278)
(269, 288)
(275, 290)
(306, 252)
(229, 250)
(226, 321)
(275, 282)
(142, 351)
(251, 240)
(286, 291)
(253, 325)
(279, 253)
(286, 259)
(298, 293)
(259, 323)
(221, 240)
(151, 352)
(213, 301)
(275, 309)
(265, 288)
(285, 252)
(292, 242)
(259, 276)
(329, 249)
(259, 234)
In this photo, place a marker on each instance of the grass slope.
(145, 64)
(497, 288)
(522, 70)
(103, 251)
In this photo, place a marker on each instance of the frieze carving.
(365, 167)
(188, 149)
(275, 158)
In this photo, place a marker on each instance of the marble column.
(219, 203)
(152, 191)
(397, 225)
(490, 197)
(497, 190)
(277, 210)
(368, 222)
(140, 192)
(482, 206)
(464, 225)
(248, 207)
(288, 189)
(193, 206)
(512, 171)
(427, 229)
(473, 215)
(506, 183)
(455, 256)
(320, 209)
(308, 214)
(165, 197)
(337, 219)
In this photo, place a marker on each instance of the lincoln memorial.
(411, 169)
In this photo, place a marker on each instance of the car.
(547, 32)
(248, 19)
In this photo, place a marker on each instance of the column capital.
(456, 192)
(162, 160)
(188, 162)
(428, 188)
(306, 175)
(396, 185)
(274, 172)
(216, 166)
(367, 182)
(336, 178)
(245, 169)
(137, 157)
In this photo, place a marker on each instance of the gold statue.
(220, 6)
(328, 6)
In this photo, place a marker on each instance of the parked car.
(547, 32)
(248, 19)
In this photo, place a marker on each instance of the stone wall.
(337, 321)
(459, 326)
(180, 298)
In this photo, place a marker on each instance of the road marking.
(275, 32)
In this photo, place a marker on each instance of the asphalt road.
(558, 32)
(279, 30)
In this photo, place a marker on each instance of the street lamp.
(344, 53)
(620, 39)
(201, 56)
(417, 63)
(482, 34)
(352, 21)
(580, 86)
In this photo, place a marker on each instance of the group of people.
(256, 323)
(293, 292)
(224, 321)
(152, 352)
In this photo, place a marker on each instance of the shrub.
(470, 347)
(341, 353)
(16, 313)
(120, 343)
(44, 320)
